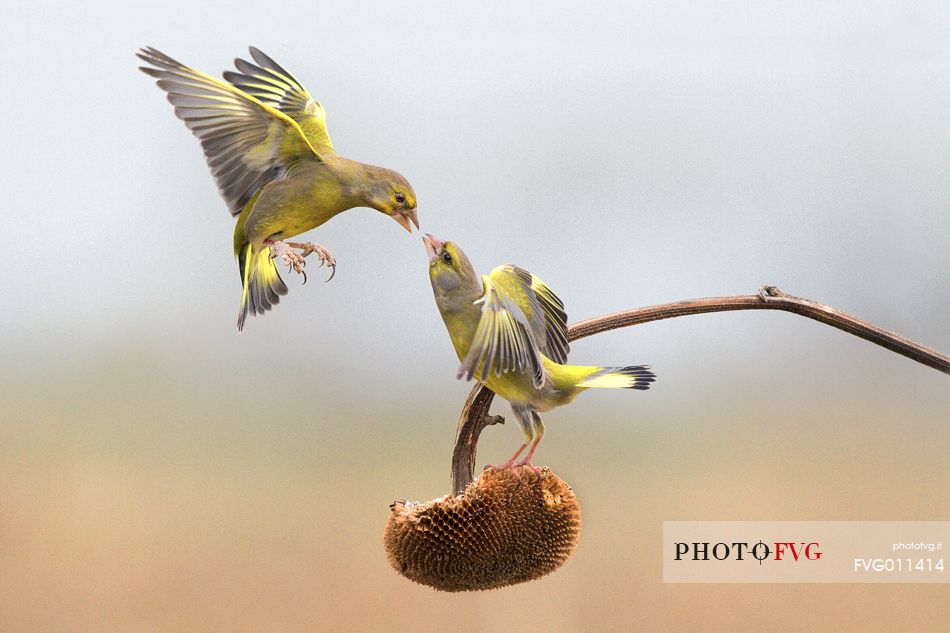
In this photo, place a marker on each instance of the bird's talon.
(509, 466)
(535, 469)
(295, 261)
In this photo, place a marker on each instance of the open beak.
(404, 218)
(433, 246)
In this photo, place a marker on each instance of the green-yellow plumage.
(510, 333)
(266, 142)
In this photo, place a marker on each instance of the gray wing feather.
(240, 137)
(503, 342)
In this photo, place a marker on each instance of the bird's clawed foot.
(514, 467)
(509, 465)
(325, 257)
(292, 258)
(525, 462)
(295, 261)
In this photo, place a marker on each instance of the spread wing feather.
(521, 320)
(246, 141)
(556, 346)
(270, 83)
(502, 341)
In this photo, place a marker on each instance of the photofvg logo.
(741, 550)
(804, 551)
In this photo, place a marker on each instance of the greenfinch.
(265, 139)
(510, 333)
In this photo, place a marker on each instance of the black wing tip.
(150, 54)
(145, 54)
(263, 58)
(232, 76)
(264, 63)
(157, 58)
(260, 57)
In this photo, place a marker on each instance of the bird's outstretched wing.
(521, 320)
(246, 142)
(554, 345)
(272, 85)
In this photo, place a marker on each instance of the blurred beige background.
(160, 472)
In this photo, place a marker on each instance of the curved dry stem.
(475, 412)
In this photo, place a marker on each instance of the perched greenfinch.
(510, 333)
(266, 142)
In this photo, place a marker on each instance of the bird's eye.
(446, 257)
(400, 198)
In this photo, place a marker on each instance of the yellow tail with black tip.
(632, 377)
(263, 286)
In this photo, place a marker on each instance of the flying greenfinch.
(510, 333)
(266, 142)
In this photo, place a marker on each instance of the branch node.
(488, 420)
(765, 292)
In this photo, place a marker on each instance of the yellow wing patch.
(543, 309)
(503, 341)
(274, 86)
(556, 346)
(246, 142)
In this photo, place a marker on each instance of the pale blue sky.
(627, 153)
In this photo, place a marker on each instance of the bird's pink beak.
(404, 218)
(433, 246)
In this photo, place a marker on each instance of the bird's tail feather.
(263, 286)
(632, 377)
